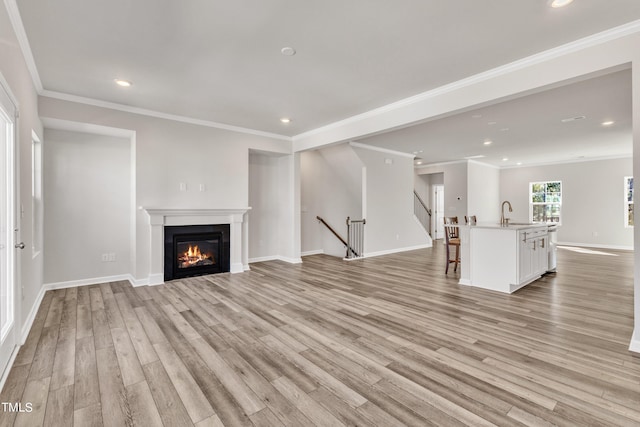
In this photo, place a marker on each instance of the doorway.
(438, 208)
(8, 228)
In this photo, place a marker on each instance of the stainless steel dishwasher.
(552, 247)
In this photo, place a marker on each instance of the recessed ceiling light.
(504, 159)
(285, 120)
(608, 123)
(488, 142)
(419, 163)
(492, 123)
(504, 129)
(288, 51)
(519, 163)
(123, 83)
(560, 3)
(476, 116)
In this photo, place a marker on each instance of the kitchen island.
(503, 258)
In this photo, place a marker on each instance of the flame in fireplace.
(193, 252)
(193, 256)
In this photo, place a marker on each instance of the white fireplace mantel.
(159, 218)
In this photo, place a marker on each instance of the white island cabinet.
(507, 258)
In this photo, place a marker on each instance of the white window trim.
(627, 203)
(36, 213)
(531, 204)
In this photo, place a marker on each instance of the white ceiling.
(221, 62)
(529, 130)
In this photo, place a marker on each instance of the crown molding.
(431, 165)
(158, 114)
(565, 162)
(575, 46)
(18, 27)
(483, 164)
(551, 163)
(382, 150)
(68, 125)
(23, 41)
(4, 85)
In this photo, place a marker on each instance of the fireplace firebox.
(196, 250)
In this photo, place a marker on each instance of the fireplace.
(161, 219)
(196, 250)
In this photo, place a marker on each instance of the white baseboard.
(26, 327)
(276, 258)
(596, 246)
(236, 267)
(32, 316)
(63, 285)
(84, 282)
(394, 251)
(316, 252)
(154, 279)
(5, 374)
(635, 341)
(263, 259)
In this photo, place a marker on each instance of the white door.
(438, 196)
(8, 226)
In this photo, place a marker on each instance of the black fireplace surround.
(196, 250)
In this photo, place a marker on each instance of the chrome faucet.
(505, 221)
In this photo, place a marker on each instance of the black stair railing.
(351, 253)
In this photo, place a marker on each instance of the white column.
(635, 71)
(236, 244)
(156, 270)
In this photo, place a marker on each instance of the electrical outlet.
(112, 257)
(183, 186)
(105, 257)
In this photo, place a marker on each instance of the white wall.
(87, 198)
(483, 196)
(289, 245)
(527, 75)
(331, 187)
(312, 186)
(391, 224)
(422, 186)
(455, 186)
(14, 70)
(168, 153)
(263, 199)
(272, 212)
(635, 71)
(592, 199)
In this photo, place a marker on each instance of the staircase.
(422, 212)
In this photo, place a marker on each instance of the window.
(628, 201)
(545, 201)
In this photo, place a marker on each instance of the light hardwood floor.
(385, 341)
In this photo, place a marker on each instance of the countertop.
(512, 226)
